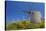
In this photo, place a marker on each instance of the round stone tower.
(36, 16)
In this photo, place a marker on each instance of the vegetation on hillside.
(24, 25)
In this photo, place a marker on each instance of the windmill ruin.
(35, 16)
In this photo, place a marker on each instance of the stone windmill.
(35, 16)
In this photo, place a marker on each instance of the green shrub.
(24, 25)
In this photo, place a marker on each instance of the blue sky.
(14, 9)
